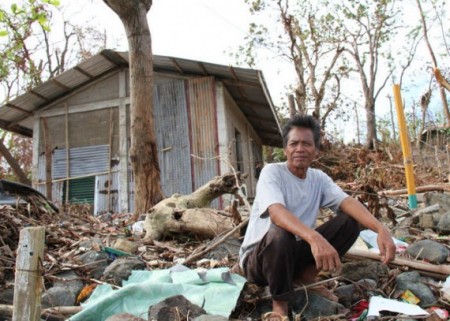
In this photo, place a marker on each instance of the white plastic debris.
(137, 228)
(446, 289)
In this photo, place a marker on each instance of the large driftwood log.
(181, 214)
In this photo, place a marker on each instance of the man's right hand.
(326, 257)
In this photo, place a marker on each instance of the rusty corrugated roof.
(246, 86)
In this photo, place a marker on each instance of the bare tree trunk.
(371, 136)
(143, 149)
(433, 58)
(14, 164)
(394, 134)
(291, 101)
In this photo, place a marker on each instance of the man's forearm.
(359, 212)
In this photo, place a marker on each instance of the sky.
(204, 30)
(210, 31)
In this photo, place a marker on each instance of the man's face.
(300, 150)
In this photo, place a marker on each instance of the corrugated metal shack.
(208, 118)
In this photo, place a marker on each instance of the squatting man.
(282, 248)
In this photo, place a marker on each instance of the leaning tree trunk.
(143, 149)
(189, 214)
(14, 164)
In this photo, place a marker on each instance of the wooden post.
(111, 133)
(48, 159)
(66, 129)
(29, 271)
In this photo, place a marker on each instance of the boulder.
(174, 308)
(365, 269)
(413, 282)
(312, 305)
(96, 262)
(443, 226)
(428, 250)
(121, 269)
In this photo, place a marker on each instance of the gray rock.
(429, 209)
(413, 282)
(207, 317)
(229, 248)
(69, 280)
(121, 268)
(365, 269)
(58, 296)
(124, 317)
(346, 294)
(367, 284)
(428, 250)
(443, 226)
(66, 287)
(172, 308)
(313, 306)
(96, 261)
(441, 198)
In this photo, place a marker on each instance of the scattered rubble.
(83, 251)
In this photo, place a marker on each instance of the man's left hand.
(386, 245)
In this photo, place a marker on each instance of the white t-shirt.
(303, 197)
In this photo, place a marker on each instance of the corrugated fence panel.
(102, 203)
(203, 129)
(57, 187)
(83, 161)
(171, 128)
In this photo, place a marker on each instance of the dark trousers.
(279, 258)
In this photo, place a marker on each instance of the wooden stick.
(439, 269)
(62, 310)
(307, 286)
(66, 129)
(28, 280)
(7, 310)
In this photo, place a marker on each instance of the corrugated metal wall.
(171, 129)
(203, 125)
(83, 161)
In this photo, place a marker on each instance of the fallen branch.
(421, 266)
(7, 310)
(199, 252)
(419, 189)
(307, 286)
(62, 310)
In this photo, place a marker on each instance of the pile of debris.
(88, 258)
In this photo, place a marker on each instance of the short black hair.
(304, 121)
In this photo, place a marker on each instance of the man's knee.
(349, 225)
(279, 237)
